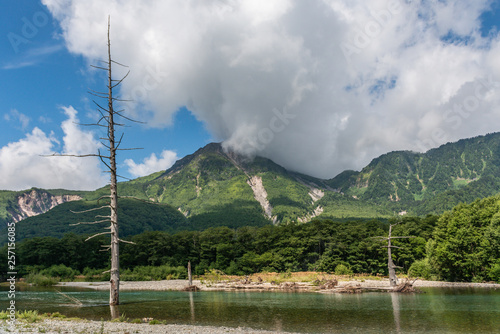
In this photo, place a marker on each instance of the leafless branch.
(119, 142)
(130, 119)
(127, 242)
(100, 107)
(90, 210)
(70, 155)
(103, 196)
(120, 81)
(130, 149)
(104, 162)
(123, 177)
(97, 95)
(118, 63)
(73, 299)
(140, 199)
(98, 67)
(94, 124)
(90, 91)
(96, 235)
(90, 223)
(412, 236)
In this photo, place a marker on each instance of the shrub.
(342, 269)
(420, 268)
(57, 315)
(148, 273)
(60, 271)
(41, 280)
(92, 275)
(286, 274)
(29, 316)
(213, 276)
(4, 315)
(121, 318)
(495, 273)
(477, 279)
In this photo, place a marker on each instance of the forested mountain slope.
(212, 187)
(428, 182)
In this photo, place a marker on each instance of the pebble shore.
(50, 326)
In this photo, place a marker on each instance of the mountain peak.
(179, 164)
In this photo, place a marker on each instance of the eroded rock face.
(36, 202)
(260, 195)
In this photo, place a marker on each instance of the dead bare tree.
(108, 121)
(108, 117)
(393, 279)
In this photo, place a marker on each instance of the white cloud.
(24, 164)
(32, 57)
(15, 115)
(152, 164)
(234, 63)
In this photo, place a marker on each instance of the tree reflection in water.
(395, 311)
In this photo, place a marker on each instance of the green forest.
(460, 245)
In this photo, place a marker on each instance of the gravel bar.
(51, 326)
(176, 285)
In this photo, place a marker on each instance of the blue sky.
(266, 78)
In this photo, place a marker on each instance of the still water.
(438, 310)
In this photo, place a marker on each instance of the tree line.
(460, 245)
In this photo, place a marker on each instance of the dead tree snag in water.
(393, 279)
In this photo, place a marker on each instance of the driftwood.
(406, 287)
(247, 280)
(325, 284)
(289, 286)
(350, 288)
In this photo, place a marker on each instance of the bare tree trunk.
(115, 251)
(393, 279)
(190, 277)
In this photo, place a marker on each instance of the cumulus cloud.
(23, 164)
(318, 86)
(151, 164)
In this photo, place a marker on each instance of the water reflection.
(191, 306)
(395, 311)
(115, 311)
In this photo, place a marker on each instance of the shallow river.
(438, 310)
